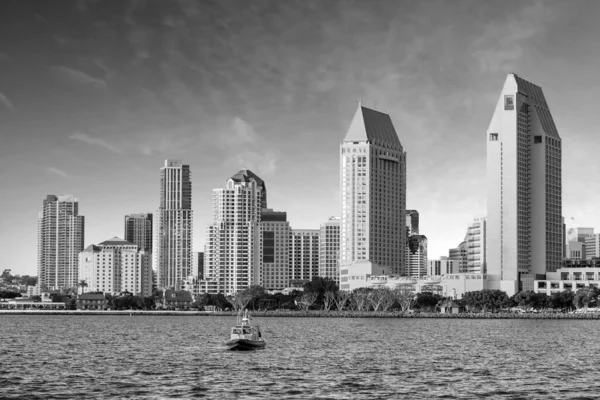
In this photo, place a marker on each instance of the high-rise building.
(232, 251)
(416, 256)
(116, 266)
(304, 255)
(274, 254)
(412, 222)
(173, 226)
(198, 264)
(60, 240)
(373, 200)
(524, 188)
(476, 246)
(592, 246)
(329, 249)
(460, 255)
(138, 230)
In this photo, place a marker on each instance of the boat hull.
(245, 344)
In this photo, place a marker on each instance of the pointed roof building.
(373, 126)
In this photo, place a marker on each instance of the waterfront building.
(274, 252)
(416, 256)
(524, 188)
(476, 246)
(304, 255)
(176, 299)
(60, 240)
(173, 226)
(115, 266)
(592, 246)
(460, 255)
(329, 249)
(412, 222)
(232, 251)
(573, 275)
(138, 230)
(373, 199)
(448, 285)
(442, 266)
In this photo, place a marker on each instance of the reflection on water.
(338, 358)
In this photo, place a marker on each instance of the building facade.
(524, 188)
(274, 250)
(60, 240)
(138, 230)
(304, 254)
(173, 229)
(592, 246)
(442, 266)
(412, 222)
(232, 251)
(116, 266)
(416, 256)
(373, 198)
(476, 246)
(329, 249)
(461, 256)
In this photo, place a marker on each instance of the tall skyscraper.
(416, 256)
(524, 188)
(138, 230)
(373, 197)
(412, 222)
(275, 240)
(60, 240)
(476, 245)
(304, 255)
(174, 226)
(232, 251)
(329, 250)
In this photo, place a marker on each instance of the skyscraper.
(60, 240)
(416, 256)
(412, 222)
(138, 230)
(524, 188)
(232, 252)
(304, 255)
(373, 197)
(173, 226)
(329, 249)
(275, 241)
(476, 244)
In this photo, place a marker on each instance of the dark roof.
(374, 126)
(93, 247)
(535, 93)
(115, 241)
(245, 175)
(178, 295)
(91, 296)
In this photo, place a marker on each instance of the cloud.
(77, 77)
(85, 138)
(56, 171)
(5, 101)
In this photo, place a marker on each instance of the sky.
(95, 95)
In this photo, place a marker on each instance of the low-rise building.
(176, 299)
(449, 285)
(92, 301)
(574, 275)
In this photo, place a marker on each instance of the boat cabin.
(246, 332)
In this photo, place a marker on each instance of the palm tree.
(83, 284)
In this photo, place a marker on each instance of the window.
(537, 139)
(493, 137)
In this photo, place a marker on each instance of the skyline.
(88, 113)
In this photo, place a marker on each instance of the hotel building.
(173, 226)
(329, 250)
(524, 189)
(373, 200)
(115, 266)
(304, 255)
(138, 230)
(232, 253)
(60, 240)
(275, 259)
(476, 246)
(416, 256)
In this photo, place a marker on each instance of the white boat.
(245, 336)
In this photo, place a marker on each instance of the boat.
(245, 336)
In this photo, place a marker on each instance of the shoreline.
(312, 314)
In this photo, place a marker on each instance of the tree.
(328, 300)
(381, 297)
(486, 299)
(320, 286)
(405, 296)
(307, 300)
(585, 297)
(341, 298)
(562, 300)
(360, 298)
(427, 301)
(240, 299)
(83, 284)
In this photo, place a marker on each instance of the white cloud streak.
(85, 138)
(77, 77)
(57, 171)
(5, 101)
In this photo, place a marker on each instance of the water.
(317, 358)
